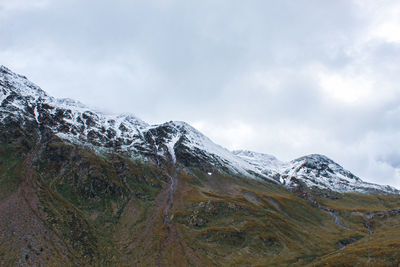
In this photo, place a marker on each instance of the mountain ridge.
(78, 123)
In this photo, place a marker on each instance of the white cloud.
(116, 85)
(7, 5)
(384, 19)
(235, 135)
(347, 87)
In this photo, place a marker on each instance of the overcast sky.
(286, 78)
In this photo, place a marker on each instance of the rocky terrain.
(80, 187)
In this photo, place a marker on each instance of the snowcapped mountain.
(25, 104)
(70, 120)
(314, 171)
(322, 172)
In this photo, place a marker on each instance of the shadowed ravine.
(170, 199)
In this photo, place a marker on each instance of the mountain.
(176, 141)
(315, 171)
(80, 187)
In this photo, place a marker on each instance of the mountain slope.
(78, 187)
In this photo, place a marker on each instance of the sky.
(287, 78)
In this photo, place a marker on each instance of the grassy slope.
(250, 223)
(382, 246)
(110, 210)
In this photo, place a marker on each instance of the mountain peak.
(19, 84)
(4, 69)
(314, 157)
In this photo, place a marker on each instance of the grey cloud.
(222, 63)
(392, 159)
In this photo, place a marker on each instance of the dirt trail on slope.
(170, 199)
(173, 243)
(159, 227)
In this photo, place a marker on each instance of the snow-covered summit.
(23, 102)
(67, 118)
(319, 171)
(20, 84)
(188, 146)
(315, 171)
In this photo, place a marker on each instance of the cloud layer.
(282, 77)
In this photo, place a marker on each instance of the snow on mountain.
(186, 145)
(67, 118)
(178, 142)
(260, 161)
(322, 172)
(314, 170)
(77, 123)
